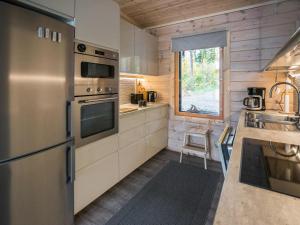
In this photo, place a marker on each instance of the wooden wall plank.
(256, 36)
(156, 12)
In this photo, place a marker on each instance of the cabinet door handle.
(70, 165)
(69, 119)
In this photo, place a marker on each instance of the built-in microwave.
(96, 70)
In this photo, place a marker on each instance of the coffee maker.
(151, 96)
(256, 99)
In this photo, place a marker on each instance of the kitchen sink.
(271, 165)
(272, 122)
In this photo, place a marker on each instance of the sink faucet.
(298, 95)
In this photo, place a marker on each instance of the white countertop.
(242, 204)
(139, 109)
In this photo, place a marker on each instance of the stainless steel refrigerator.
(36, 145)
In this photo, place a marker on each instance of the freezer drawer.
(38, 189)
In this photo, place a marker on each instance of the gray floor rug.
(179, 194)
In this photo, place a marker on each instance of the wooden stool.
(196, 132)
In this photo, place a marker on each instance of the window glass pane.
(199, 76)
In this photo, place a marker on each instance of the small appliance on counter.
(256, 100)
(151, 96)
(142, 103)
(135, 98)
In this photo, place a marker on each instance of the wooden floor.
(103, 208)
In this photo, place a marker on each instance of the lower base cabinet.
(94, 180)
(132, 157)
(103, 163)
(156, 142)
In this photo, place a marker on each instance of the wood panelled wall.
(255, 36)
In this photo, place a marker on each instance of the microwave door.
(95, 67)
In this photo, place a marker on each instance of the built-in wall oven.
(96, 103)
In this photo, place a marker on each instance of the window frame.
(177, 91)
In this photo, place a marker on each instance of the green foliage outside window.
(200, 70)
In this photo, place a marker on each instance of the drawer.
(94, 180)
(156, 142)
(131, 136)
(132, 120)
(156, 125)
(88, 154)
(132, 157)
(156, 113)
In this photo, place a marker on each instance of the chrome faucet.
(298, 95)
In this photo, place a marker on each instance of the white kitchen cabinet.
(142, 135)
(156, 125)
(151, 46)
(98, 22)
(127, 47)
(140, 63)
(64, 8)
(132, 156)
(101, 164)
(90, 153)
(156, 113)
(138, 50)
(131, 120)
(156, 142)
(94, 180)
(130, 136)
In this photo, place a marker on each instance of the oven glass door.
(97, 70)
(97, 118)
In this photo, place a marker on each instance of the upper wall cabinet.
(63, 8)
(138, 50)
(127, 47)
(151, 48)
(98, 22)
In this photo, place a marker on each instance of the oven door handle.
(97, 100)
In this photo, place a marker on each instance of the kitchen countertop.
(139, 109)
(242, 204)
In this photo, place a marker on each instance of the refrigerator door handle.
(70, 165)
(69, 119)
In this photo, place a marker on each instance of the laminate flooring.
(107, 205)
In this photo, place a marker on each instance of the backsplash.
(161, 84)
(127, 86)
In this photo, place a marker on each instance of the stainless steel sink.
(272, 122)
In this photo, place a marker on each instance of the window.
(198, 83)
